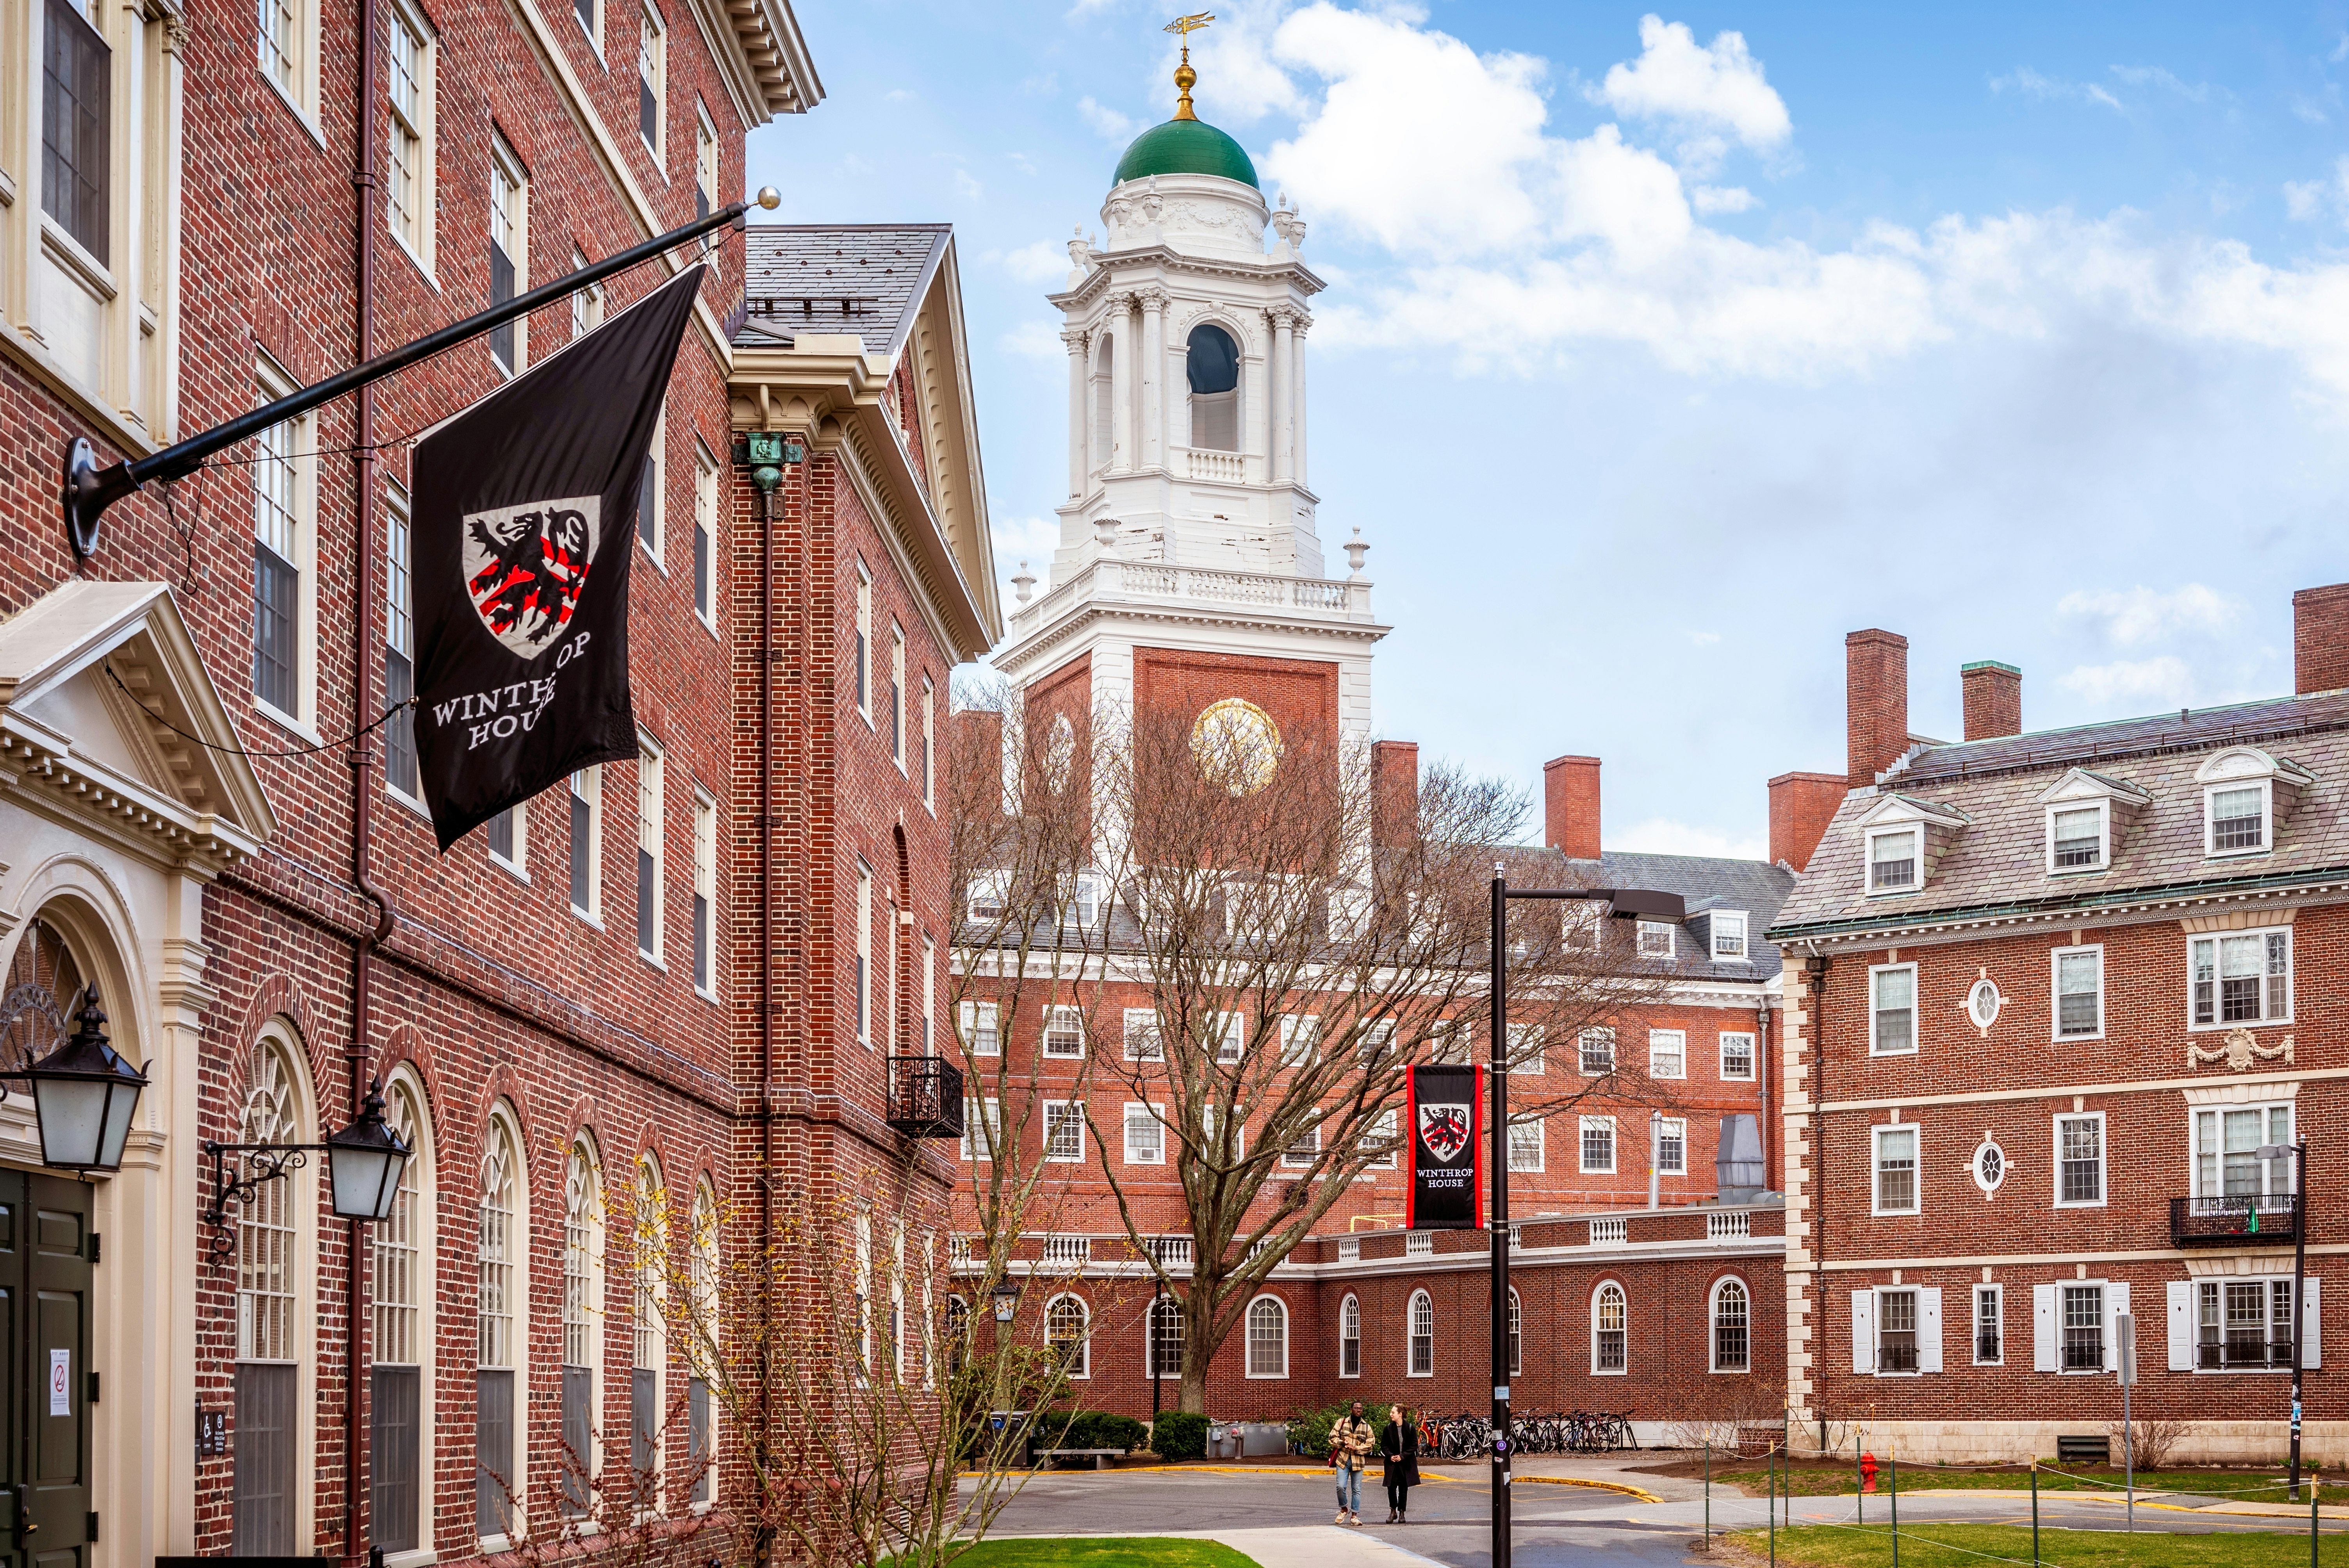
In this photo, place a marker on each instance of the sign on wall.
(1444, 1109)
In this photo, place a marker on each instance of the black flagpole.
(89, 490)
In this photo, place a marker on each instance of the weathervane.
(1182, 27)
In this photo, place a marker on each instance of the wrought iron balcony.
(2241, 1220)
(925, 1097)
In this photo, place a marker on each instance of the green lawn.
(1819, 1480)
(1827, 1546)
(1107, 1551)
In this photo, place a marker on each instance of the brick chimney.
(1394, 790)
(1994, 698)
(1876, 703)
(1570, 807)
(1801, 807)
(2320, 638)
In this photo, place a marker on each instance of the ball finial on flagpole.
(770, 197)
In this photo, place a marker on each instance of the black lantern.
(85, 1095)
(1007, 1299)
(365, 1161)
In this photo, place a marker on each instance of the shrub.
(1089, 1429)
(1179, 1435)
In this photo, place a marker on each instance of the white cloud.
(1704, 639)
(1241, 81)
(1663, 836)
(1045, 261)
(1023, 541)
(967, 187)
(2132, 617)
(2305, 200)
(1036, 340)
(2030, 84)
(2157, 77)
(1107, 123)
(1720, 85)
(2140, 685)
(1709, 199)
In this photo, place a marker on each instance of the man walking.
(1351, 1441)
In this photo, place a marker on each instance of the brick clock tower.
(1190, 568)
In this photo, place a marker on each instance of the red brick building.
(2048, 996)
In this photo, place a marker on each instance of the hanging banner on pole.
(523, 509)
(1444, 1109)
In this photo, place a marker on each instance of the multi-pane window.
(1143, 1043)
(1611, 1323)
(587, 304)
(1526, 1145)
(861, 653)
(1895, 1170)
(705, 888)
(2242, 978)
(2226, 1152)
(1230, 1035)
(2244, 1323)
(1595, 1052)
(586, 797)
(1989, 1324)
(399, 649)
(1671, 1146)
(1303, 1149)
(1893, 1009)
(701, 1450)
(1145, 1134)
(1732, 1327)
(1381, 1140)
(649, 848)
(647, 1343)
(394, 1416)
(2239, 820)
(705, 528)
(1301, 1038)
(1064, 1132)
(1598, 1145)
(408, 184)
(2080, 1159)
(1896, 1331)
(269, 1273)
(981, 1033)
(77, 121)
(705, 165)
(1728, 934)
(280, 557)
(982, 1127)
(1655, 939)
(1166, 1345)
(1892, 861)
(929, 996)
(1737, 1056)
(281, 44)
(1525, 1055)
(583, 1258)
(1350, 1337)
(1068, 1335)
(2079, 992)
(648, 491)
(897, 697)
(585, 11)
(1667, 1053)
(2076, 838)
(1423, 1334)
(863, 952)
(1267, 1338)
(503, 833)
(1517, 1331)
(508, 215)
(1064, 1031)
(929, 743)
(651, 43)
(496, 1484)
(2084, 1327)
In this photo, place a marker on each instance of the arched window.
(1165, 1346)
(1105, 419)
(1609, 1322)
(1213, 362)
(1068, 1334)
(582, 1319)
(702, 1351)
(44, 986)
(1732, 1324)
(1517, 1334)
(273, 1271)
(1350, 1337)
(649, 1341)
(399, 1479)
(497, 1471)
(1423, 1335)
(1268, 1338)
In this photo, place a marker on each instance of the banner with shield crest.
(1444, 1109)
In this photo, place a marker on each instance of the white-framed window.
(288, 53)
(1516, 1325)
(1667, 1053)
(401, 1408)
(652, 78)
(861, 652)
(929, 996)
(1656, 938)
(1525, 1055)
(987, 896)
(1729, 933)
(1064, 1132)
(1382, 1140)
(503, 1245)
(863, 954)
(1595, 1052)
(983, 1129)
(1732, 1326)
(1349, 1334)
(1268, 1338)
(2240, 977)
(583, 1323)
(1895, 860)
(1598, 1145)
(285, 566)
(1611, 1331)
(509, 251)
(2236, 818)
(1231, 1038)
(1527, 1145)
(408, 199)
(2242, 1324)
(650, 497)
(399, 764)
(982, 1034)
(1420, 1331)
(1064, 1031)
(1069, 1334)
(929, 746)
(507, 834)
(1163, 1349)
(2080, 1161)
(705, 163)
(1892, 1009)
(1737, 1057)
(1451, 1041)
(587, 304)
(705, 535)
(648, 1324)
(586, 797)
(1671, 1146)
(1894, 1156)
(1301, 1038)
(2227, 1140)
(1145, 1133)
(2079, 838)
(897, 699)
(2079, 984)
(590, 19)
(1580, 924)
(1303, 1150)
(705, 893)
(1990, 1326)
(1903, 1332)
(2083, 1326)
(650, 854)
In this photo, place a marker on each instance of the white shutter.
(2116, 1303)
(2046, 1332)
(1863, 1331)
(2182, 1327)
(2312, 1324)
(1929, 1329)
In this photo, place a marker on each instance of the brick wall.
(1876, 703)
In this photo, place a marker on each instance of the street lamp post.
(2299, 1154)
(1625, 903)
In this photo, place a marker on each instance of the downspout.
(1814, 985)
(766, 479)
(364, 185)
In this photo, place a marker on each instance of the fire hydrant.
(1867, 1472)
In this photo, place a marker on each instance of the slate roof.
(862, 278)
(1705, 882)
(1997, 866)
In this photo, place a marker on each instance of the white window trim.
(861, 676)
(1654, 1036)
(2266, 786)
(2055, 1160)
(594, 30)
(1868, 860)
(706, 504)
(1662, 1131)
(929, 745)
(302, 96)
(427, 138)
(1875, 1168)
(1540, 1140)
(1672, 938)
(705, 878)
(518, 864)
(1354, 1302)
(658, 145)
(303, 439)
(1753, 1055)
(1410, 1312)
(1973, 1325)
(1875, 1329)
(1614, 1149)
(1050, 1107)
(978, 1149)
(503, 1115)
(1525, 1062)
(505, 158)
(591, 778)
(2291, 980)
(966, 1017)
(1597, 1291)
(1712, 1328)
(650, 751)
(863, 974)
(2055, 957)
(1744, 937)
(1295, 1027)
(1085, 1356)
(657, 453)
(1044, 1040)
(898, 742)
(1126, 1123)
(2287, 1169)
(2103, 811)
(1613, 1043)
(2270, 1280)
(1247, 1343)
(1916, 1042)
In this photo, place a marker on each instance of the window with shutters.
(1990, 1326)
(2242, 1324)
(583, 1323)
(1896, 1331)
(649, 849)
(499, 1311)
(397, 1418)
(509, 251)
(1421, 1329)
(1895, 1170)
(2080, 1161)
(1893, 1009)
(585, 798)
(1611, 1324)
(1732, 1344)
(2240, 977)
(2079, 993)
(2082, 1327)
(1350, 1336)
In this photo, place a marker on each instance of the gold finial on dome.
(1184, 77)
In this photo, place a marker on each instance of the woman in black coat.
(1399, 1442)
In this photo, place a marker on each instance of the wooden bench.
(2096, 1451)
(1102, 1458)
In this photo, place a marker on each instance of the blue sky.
(1661, 349)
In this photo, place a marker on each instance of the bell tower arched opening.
(1213, 362)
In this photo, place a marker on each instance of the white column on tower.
(1297, 399)
(1284, 390)
(1153, 378)
(1075, 338)
(1120, 383)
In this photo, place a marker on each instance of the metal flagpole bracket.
(89, 491)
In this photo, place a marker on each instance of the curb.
(1641, 1493)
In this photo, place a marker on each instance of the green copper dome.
(1185, 147)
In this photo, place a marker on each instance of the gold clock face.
(1237, 744)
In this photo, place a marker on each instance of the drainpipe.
(1655, 1151)
(767, 480)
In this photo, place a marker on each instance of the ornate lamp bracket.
(264, 1163)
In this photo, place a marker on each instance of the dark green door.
(44, 1372)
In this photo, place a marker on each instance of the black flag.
(1444, 1108)
(523, 509)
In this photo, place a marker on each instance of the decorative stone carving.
(2239, 1049)
(1081, 252)
(1211, 220)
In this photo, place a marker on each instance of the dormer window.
(1729, 933)
(2239, 820)
(2076, 840)
(2246, 793)
(1655, 939)
(1893, 857)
